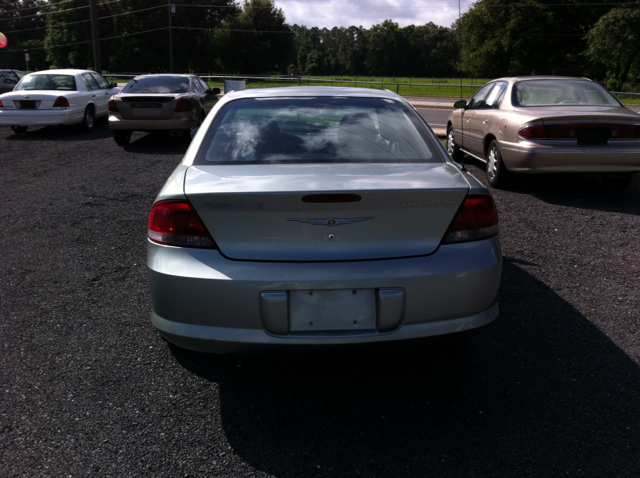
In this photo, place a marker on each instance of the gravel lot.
(88, 388)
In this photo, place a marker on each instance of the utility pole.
(94, 35)
(172, 10)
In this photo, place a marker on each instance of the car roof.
(513, 79)
(174, 75)
(65, 71)
(292, 91)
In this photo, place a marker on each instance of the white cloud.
(365, 13)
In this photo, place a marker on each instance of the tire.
(452, 148)
(19, 129)
(616, 180)
(497, 174)
(122, 137)
(89, 120)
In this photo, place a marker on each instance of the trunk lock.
(331, 237)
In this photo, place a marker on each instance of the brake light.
(176, 223)
(534, 131)
(61, 102)
(476, 219)
(570, 130)
(112, 105)
(183, 105)
(1, 105)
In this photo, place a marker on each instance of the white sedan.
(56, 97)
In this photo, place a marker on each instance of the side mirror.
(214, 91)
(113, 84)
(193, 131)
(460, 104)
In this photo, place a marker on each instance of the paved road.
(88, 389)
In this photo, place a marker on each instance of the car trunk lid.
(326, 212)
(151, 106)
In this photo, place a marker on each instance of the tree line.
(599, 39)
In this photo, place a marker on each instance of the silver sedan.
(535, 125)
(311, 216)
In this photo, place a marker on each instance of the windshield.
(158, 84)
(561, 92)
(47, 82)
(316, 130)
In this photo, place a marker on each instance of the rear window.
(560, 93)
(158, 84)
(316, 130)
(47, 82)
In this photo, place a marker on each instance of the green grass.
(421, 87)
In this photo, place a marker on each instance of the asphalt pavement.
(89, 389)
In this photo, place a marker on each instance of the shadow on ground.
(542, 392)
(584, 191)
(157, 143)
(60, 133)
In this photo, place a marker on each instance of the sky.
(365, 13)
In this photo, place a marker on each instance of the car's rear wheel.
(88, 122)
(496, 172)
(19, 129)
(616, 180)
(122, 137)
(452, 148)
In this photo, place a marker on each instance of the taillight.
(476, 219)
(570, 130)
(61, 102)
(535, 131)
(112, 105)
(176, 223)
(183, 105)
(1, 105)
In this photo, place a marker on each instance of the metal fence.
(434, 100)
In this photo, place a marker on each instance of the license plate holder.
(332, 310)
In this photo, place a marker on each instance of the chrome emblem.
(330, 221)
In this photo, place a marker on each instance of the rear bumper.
(202, 301)
(176, 122)
(41, 117)
(560, 157)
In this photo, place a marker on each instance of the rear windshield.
(47, 82)
(316, 130)
(561, 92)
(158, 84)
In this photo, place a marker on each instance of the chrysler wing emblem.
(330, 221)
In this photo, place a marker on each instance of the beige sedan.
(546, 125)
(165, 102)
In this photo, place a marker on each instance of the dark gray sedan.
(9, 79)
(168, 102)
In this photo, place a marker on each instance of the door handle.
(484, 121)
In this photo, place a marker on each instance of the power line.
(87, 41)
(44, 14)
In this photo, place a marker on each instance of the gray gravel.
(88, 388)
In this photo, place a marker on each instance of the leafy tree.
(499, 38)
(385, 44)
(23, 26)
(614, 41)
(256, 41)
